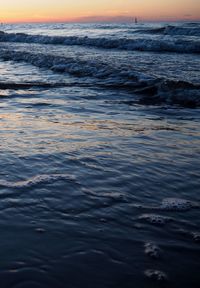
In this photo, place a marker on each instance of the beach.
(100, 155)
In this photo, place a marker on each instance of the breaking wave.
(78, 67)
(188, 30)
(150, 90)
(153, 45)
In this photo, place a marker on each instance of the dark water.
(99, 178)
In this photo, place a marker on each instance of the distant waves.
(188, 29)
(138, 44)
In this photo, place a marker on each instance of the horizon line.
(103, 19)
(96, 21)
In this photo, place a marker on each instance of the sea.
(100, 155)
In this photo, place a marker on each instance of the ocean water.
(100, 155)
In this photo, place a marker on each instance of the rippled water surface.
(99, 188)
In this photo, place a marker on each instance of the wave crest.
(150, 90)
(153, 45)
(186, 30)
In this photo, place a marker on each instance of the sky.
(98, 10)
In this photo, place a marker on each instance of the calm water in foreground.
(97, 188)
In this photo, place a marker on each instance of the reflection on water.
(86, 187)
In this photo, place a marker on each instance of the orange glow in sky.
(98, 10)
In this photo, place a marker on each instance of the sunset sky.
(98, 10)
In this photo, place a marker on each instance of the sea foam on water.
(156, 275)
(176, 204)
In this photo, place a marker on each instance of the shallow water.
(96, 189)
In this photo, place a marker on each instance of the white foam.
(172, 45)
(75, 66)
(171, 92)
(155, 219)
(172, 30)
(176, 204)
(196, 236)
(152, 250)
(189, 31)
(156, 275)
(39, 179)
